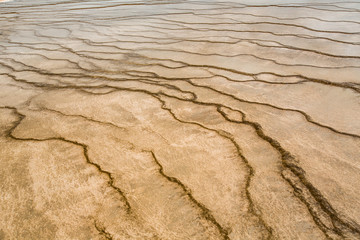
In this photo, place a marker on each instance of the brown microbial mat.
(176, 120)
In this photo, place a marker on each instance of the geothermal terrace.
(183, 119)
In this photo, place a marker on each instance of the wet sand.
(179, 120)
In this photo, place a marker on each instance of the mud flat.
(179, 120)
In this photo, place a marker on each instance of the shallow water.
(179, 119)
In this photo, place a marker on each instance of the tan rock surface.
(179, 119)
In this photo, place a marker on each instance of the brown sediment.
(180, 120)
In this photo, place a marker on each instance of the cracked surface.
(179, 119)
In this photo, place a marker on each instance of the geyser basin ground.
(179, 120)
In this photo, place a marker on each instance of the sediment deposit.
(179, 120)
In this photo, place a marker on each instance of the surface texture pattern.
(179, 119)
